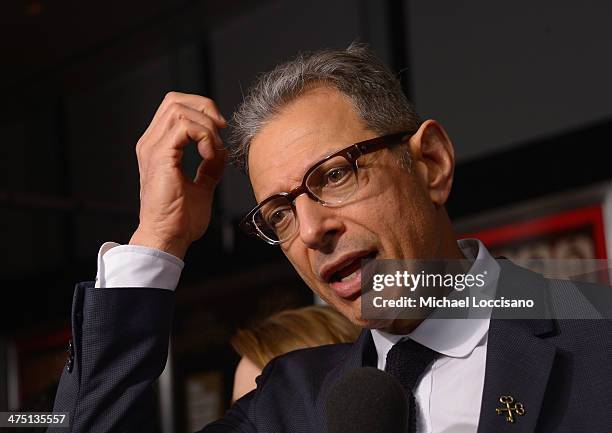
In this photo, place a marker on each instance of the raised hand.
(174, 209)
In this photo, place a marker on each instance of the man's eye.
(278, 217)
(337, 175)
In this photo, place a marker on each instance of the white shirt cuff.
(137, 266)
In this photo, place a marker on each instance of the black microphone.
(367, 400)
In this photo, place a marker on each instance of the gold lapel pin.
(511, 408)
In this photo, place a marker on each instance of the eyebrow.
(297, 180)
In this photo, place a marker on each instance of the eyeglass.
(329, 182)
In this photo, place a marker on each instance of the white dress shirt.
(449, 392)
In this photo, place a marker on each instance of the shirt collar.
(456, 338)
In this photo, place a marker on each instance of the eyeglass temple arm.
(378, 143)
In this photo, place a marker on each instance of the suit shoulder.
(321, 358)
(303, 369)
(580, 300)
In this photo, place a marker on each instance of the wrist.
(176, 247)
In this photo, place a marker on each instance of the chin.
(397, 326)
(351, 309)
(353, 313)
(375, 324)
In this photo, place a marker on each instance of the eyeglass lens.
(332, 182)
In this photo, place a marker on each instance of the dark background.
(523, 89)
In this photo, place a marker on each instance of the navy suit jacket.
(561, 370)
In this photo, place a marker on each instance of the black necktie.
(406, 361)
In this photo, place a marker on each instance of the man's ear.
(434, 160)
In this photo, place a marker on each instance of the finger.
(207, 147)
(185, 130)
(196, 102)
(178, 111)
(210, 170)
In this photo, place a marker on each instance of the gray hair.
(356, 72)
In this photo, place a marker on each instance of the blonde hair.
(291, 330)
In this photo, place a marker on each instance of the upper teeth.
(351, 276)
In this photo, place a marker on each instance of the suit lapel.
(519, 358)
(518, 365)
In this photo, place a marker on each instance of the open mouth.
(345, 278)
(347, 273)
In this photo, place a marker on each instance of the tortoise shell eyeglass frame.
(350, 153)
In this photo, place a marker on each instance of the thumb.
(210, 171)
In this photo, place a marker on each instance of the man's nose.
(318, 225)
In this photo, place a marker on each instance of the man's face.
(390, 216)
